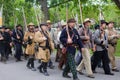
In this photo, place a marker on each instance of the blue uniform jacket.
(19, 33)
(75, 38)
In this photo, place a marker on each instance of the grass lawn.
(118, 49)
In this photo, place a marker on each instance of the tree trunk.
(117, 2)
(44, 9)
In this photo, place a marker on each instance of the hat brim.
(71, 22)
(30, 25)
(87, 21)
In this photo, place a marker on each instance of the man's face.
(111, 25)
(31, 28)
(44, 28)
(49, 25)
(7, 30)
(36, 29)
(87, 24)
(104, 25)
(72, 24)
(2, 30)
(19, 28)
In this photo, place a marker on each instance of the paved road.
(18, 71)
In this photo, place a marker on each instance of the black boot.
(45, 69)
(28, 64)
(32, 64)
(41, 68)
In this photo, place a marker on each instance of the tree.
(44, 9)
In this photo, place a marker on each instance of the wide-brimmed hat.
(87, 20)
(63, 23)
(71, 21)
(48, 22)
(31, 24)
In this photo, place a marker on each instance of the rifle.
(76, 18)
(15, 23)
(25, 23)
(37, 19)
(81, 13)
(66, 21)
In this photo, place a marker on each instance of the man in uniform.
(52, 35)
(29, 38)
(4, 42)
(62, 56)
(9, 43)
(112, 42)
(86, 36)
(101, 53)
(18, 40)
(70, 38)
(45, 46)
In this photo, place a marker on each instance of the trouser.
(3, 53)
(101, 55)
(58, 54)
(86, 62)
(70, 66)
(50, 63)
(43, 66)
(30, 62)
(92, 58)
(8, 50)
(18, 51)
(111, 54)
(62, 61)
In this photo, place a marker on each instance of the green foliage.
(90, 8)
(118, 49)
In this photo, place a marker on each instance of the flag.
(1, 11)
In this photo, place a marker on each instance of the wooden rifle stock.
(66, 21)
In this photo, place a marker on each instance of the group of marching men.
(40, 41)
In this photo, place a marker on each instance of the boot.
(45, 69)
(33, 69)
(41, 68)
(28, 64)
(4, 60)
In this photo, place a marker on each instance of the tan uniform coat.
(44, 55)
(30, 48)
(112, 46)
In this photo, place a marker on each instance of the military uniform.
(30, 49)
(18, 42)
(71, 50)
(4, 45)
(45, 46)
(86, 61)
(30, 46)
(52, 35)
(112, 42)
(101, 53)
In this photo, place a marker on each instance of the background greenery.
(57, 10)
(118, 49)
